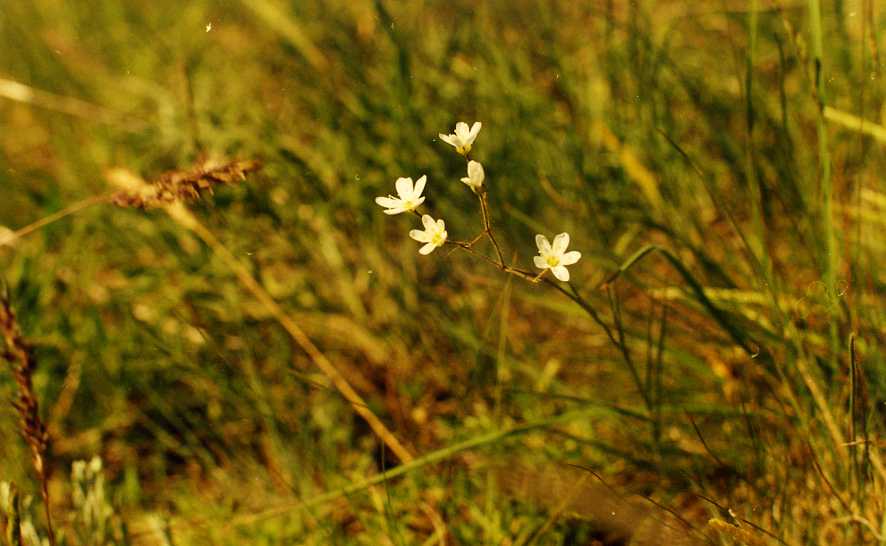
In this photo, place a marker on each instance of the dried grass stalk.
(19, 354)
(178, 186)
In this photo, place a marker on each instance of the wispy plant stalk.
(19, 354)
(826, 189)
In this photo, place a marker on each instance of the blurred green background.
(694, 126)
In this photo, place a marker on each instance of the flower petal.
(561, 273)
(544, 247)
(570, 257)
(389, 202)
(428, 223)
(476, 172)
(540, 262)
(462, 131)
(475, 130)
(404, 187)
(448, 139)
(419, 186)
(419, 235)
(395, 210)
(427, 249)
(561, 241)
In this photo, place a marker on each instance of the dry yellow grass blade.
(26, 94)
(850, 121)
(9, 237)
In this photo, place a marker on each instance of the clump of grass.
(19, 354)
(630, 119)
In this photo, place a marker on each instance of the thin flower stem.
(522, 273)
(476, 239)
(487, 225)
(528, 275)
(469, 246)
(573, 295)
(586, 307)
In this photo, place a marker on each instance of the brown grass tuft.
(18, 353)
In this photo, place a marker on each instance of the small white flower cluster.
(434, 235)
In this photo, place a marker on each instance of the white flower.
(476, 176)
(463, 137)
(555, 257)
(410, 196)
(434, 234)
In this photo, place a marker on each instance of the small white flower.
(476, 176)
(434, 234)
(555, 257)
(463, 137)
(410, 196)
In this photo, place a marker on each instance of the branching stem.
(487, 224)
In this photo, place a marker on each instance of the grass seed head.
(179, 185)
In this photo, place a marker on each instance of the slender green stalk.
(625, 352)
(826, 189)
(719, 315)
(753, 181)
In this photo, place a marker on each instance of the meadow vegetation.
(214, 335)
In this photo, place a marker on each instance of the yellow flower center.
(553, 261)
(437, 238)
